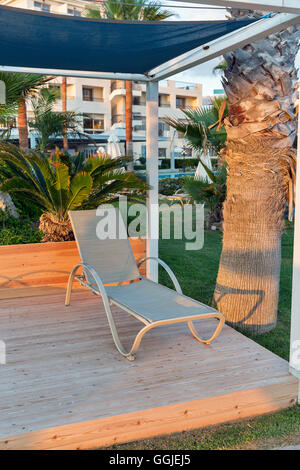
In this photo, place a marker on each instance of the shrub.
(165, 164)
(169, 186)
(16, 231)
(186, 163)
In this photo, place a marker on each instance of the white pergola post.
(2, 92)
(152, 177)
(295, 317)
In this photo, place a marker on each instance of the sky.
(202, 73)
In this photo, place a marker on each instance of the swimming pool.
(174, 175)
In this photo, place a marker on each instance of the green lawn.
(197, 272)
(264, 432)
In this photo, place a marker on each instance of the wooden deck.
(66, 387)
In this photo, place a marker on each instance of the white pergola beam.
(76, 73)
(152, 177)
(220, 46)
(282, 6)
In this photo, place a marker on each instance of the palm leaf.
(80, 189)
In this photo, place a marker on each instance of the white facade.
(103, 101)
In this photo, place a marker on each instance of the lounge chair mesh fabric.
(112, 259)
(156, 302)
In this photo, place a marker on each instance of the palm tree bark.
(22, 124)
(128, 117)
(64, 109)
(260, 83)
(7, 205)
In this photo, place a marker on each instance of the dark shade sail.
(42, 40)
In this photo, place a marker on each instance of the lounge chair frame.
(99, 289)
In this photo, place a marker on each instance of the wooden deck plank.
(64, 377)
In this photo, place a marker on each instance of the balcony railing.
(93, 98)
(185, 85)
(93, 131)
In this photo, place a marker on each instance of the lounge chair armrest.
(96, 277)
(106, 302)
(167, 269)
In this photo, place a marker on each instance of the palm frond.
(198, 125)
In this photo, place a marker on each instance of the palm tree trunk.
(128, 117)
(22, 124)
(64, 109)
(248, 279)
(7, 205)
(260, 83)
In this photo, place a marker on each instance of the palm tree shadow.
(221, 291)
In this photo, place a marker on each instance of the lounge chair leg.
(130, 355)
(215, 334)
(69, 287)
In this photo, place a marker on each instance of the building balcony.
(93, 131)
(117, 118)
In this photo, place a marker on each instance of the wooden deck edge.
(158, 421)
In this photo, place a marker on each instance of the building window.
(8, 123)
(93, 124)
(162, 153)
(180, 102)
(92, 94)
(138, 101)
(162, 127)
(163, 101)
(87, 94)
(73, 11)
(41, 6)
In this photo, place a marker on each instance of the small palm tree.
(48, 123)
(64, 183)
(139, 10)
(220, 67)
(202, 127)
(212, 193)
(19, 86)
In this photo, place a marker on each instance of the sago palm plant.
(62, 184)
